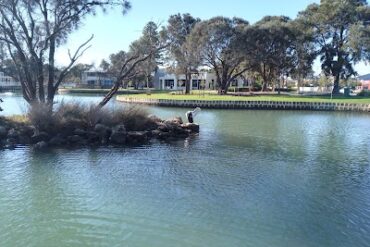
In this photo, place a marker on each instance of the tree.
(128, 66)
(33, 30)
(271, 52)
(305, 50)
(334, 24)
(150, 38)
(219, 44)
(179, 55)
(76, 71)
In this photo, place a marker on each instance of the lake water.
(251, 178)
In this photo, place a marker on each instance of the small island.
(75, 125)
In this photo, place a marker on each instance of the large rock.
(175, 120)
(77, 140)
(191, 126)
(93, 138)
(57, 141)
(137, 136)
(80, 132)
(155, 119)
(164, 135)
(3, 132)
(118, 135)
(12, 133)
(103, 132)
(42, 136)
(26, 131)
(40, 145)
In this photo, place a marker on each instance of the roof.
(364, 77)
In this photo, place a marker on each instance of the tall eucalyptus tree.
(336, 24)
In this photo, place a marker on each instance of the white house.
(7, 82)
(199, 80)
(96, 79)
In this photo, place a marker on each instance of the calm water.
(251, 178)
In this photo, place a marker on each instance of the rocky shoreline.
(13, 134)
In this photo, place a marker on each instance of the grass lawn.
(288, 98)
(103, 91)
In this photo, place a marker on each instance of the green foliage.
(256, 86)
(271, 51)
(218, 44)
(364, 93)
(179, 53)
(338, 30)
(31, 32)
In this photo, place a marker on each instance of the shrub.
(256, 86)
(70, 116)
(40, 117)
(134, 117)
(364, 93)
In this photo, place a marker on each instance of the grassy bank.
(277, 98)
(101, 91)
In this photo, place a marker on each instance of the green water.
(251, 178)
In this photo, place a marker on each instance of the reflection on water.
(251, 178)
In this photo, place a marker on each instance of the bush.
(40, 117)
(256, 86)
(133, 117)
(364, 93)
(70, 116)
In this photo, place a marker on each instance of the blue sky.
(114, 32)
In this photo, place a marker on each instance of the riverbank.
(272, 102)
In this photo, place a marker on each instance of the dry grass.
(69, 116)
(133, 117)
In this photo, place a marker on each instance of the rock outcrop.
(100, 134)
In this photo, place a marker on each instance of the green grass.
(104, 91)
(278, 98)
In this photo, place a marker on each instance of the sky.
(114, 32)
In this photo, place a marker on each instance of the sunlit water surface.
(251, 178)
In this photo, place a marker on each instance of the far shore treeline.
(335, 31)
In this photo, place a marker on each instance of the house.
(364, 82)
(164, 80)
(96, 79)
(8, 83)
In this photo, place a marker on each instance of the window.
(234, 83)
(181, 83)
(169, 83)
(195, 83)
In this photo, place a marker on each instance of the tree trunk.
(264, 86)
(109, 95)
(336, 84)
(187, 83)
(51, 70)
(222, 90)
